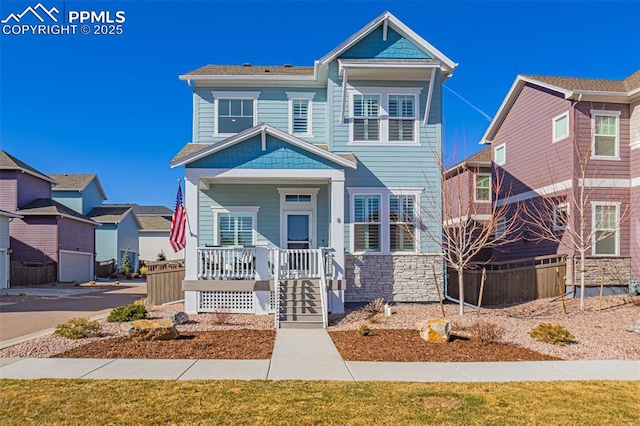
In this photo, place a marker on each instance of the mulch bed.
(408, 346)
(228, 344)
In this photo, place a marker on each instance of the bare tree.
(565, 215)
(469, 226)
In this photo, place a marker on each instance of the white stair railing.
(323, 288)
(276, 285)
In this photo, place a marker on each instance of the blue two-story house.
(304, 185)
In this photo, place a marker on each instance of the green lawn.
(301, 403)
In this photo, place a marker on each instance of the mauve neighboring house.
(532, 138)
(48, 231)
(467, 193)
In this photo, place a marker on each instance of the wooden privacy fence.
(164, 281)
(105, 269)
(23, 273)
(511, 282)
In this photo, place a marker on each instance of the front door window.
(298, 230)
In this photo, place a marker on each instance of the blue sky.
(113, 105)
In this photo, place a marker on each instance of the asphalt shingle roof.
(155, 223)
(9, 162)
(145, 210)
(109, 214)
(75, 182)
(48, 206)
(251, 70)
(591, 84)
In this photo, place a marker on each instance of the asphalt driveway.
(21, 319)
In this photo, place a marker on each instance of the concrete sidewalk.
(311, 355)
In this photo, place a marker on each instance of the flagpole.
(186, 214)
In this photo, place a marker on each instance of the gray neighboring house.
(5, 254)
(118, 234)
(154, 234)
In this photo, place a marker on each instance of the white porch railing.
(219, 263)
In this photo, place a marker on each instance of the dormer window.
(234, 112)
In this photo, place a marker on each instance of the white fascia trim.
(605, 183)
(253, 78)
(510, 99)
(545, 190)
(398, 26)
(554, 137)
(296, 191)
(635, 182)
(84, 253)
(256, 130)
(193, 174)
(459, 219)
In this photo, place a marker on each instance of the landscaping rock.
(435, 330)
(634, 327)
(178, 318)
(162, 329)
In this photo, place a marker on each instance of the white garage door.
(75, 266)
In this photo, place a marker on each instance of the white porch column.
(337, 227)
(191, 249)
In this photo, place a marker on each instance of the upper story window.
(300, 113)
(384, 115)
(560, 216)
(561, 127)
(401, 117)
(500, 154)
(366, 118)
(482, 188)
(606, 131)
(235, 111)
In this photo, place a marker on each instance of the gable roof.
(481, 158)
(141, 211)
(319, 70)
(615, 91)
(155, 223)
(76, 182)
(189, 154)
(50, 207)
(387, 18)
(112, 214)
(9, 162)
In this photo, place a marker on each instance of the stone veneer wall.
(617, 271)
(396, 278)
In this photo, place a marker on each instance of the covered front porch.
(264, 209)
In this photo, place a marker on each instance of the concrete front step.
(301, 324)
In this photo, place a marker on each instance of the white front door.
(298, 229)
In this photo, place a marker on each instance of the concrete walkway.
(311, 355)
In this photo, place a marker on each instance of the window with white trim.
(605, 224)
(501, 228)
(235, 226)
(606, 126)
(234, 111)
(560, 216)
(500, 154)
(367, 222)
(301, 113)
(381, 115)
(482, 192)
(402, 118)
(402, 226)
(561, 127)
(366, 118)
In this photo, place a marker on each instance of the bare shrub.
(373, 308)
(486, 332)
(221, 316)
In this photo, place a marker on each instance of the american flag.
(177, 237)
